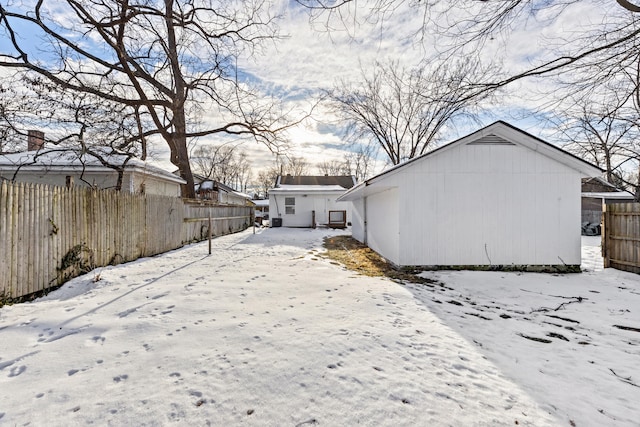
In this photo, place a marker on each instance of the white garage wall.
(382, 216)
(489, 204)
(358, 215)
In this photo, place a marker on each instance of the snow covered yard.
(572, 341)
(265, 332)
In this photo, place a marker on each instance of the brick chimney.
(35, 140)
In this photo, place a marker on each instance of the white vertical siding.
(306, 203)
(383, 224)
(488, 204)
(303, 208)
(357, 220)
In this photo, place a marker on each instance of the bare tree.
(296, 166)
(290, 165)
(266, 180)
(80, 126)
(403, 110)
(239, 172)
(588, 56)
(10, 139)
(212, 161)
(10, 136)
(164, 60)
(223, 163)
(334, 167)
(605, 133)
(360, 161)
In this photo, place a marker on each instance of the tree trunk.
(180, 158)
(179, 152)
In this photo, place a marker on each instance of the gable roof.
(58, 161)
(311, 189)
(597, 184)
(344, 181)
(497, 133)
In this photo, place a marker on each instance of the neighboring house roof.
(596, 183)
(261, 203)
(598, 188)
(69, 161)
(617, 195)
(344, 181)
(496, 133)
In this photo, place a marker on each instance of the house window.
(290, 205)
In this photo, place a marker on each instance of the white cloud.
(310, 59)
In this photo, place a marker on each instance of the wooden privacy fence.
(621, 236)
(225, 219)
(49, 235)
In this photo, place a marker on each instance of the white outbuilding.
(498, 198)
(309, 201)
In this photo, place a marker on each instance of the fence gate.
(621, 236)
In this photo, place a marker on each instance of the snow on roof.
(261, 203)
(69, 160)
(620, 195)
(307, 188)
(243, 195)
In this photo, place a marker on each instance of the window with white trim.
(290, 205)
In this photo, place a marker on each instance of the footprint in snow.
(120, 378)
(98, 339)
(17, 370)
(127, 312)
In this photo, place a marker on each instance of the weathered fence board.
(621, 236)
(49, 235)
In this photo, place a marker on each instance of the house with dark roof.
(309, 201)
(344, 181)
(499, 198)
(597, 192)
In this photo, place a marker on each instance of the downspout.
(364, 214)
(364, 220)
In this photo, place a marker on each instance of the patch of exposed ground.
(357, 257)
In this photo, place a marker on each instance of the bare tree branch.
(403, 111)
(162, 61)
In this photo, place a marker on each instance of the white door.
(320, 206)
